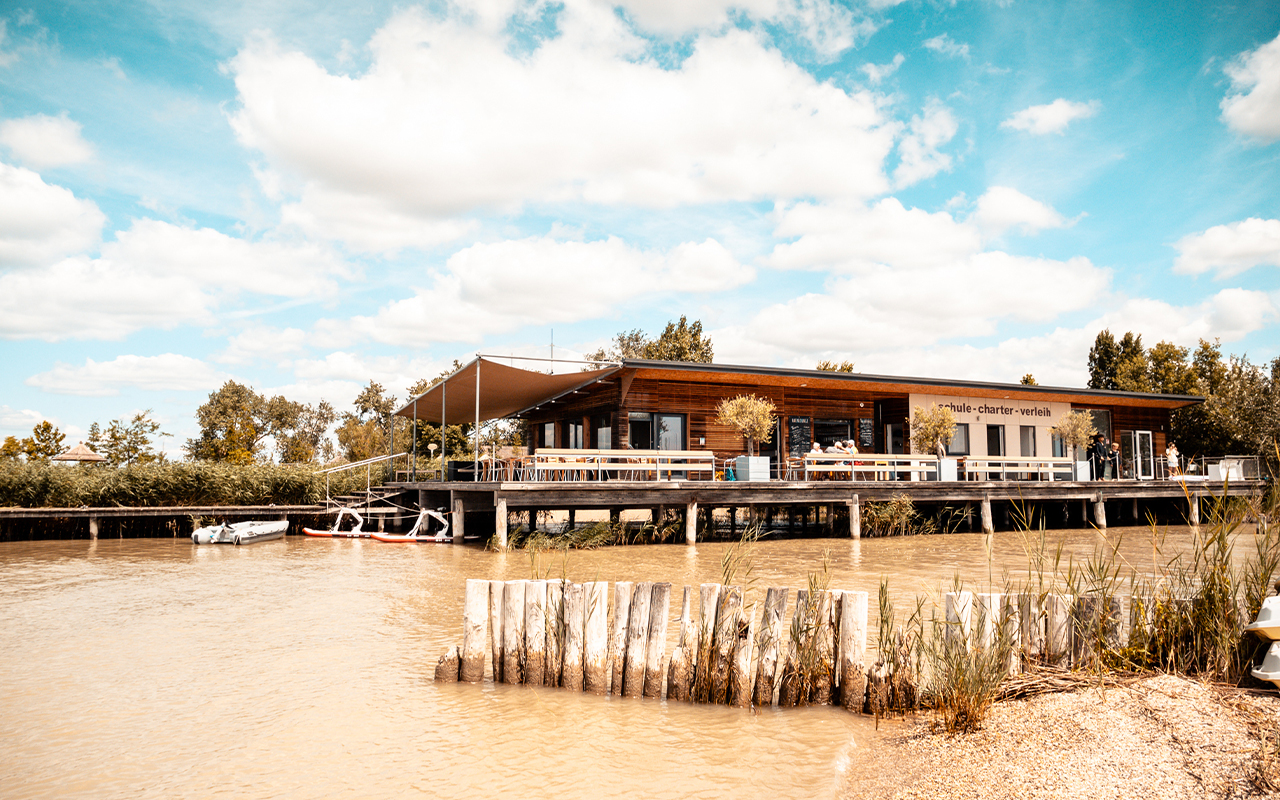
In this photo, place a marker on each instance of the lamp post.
(432, 447)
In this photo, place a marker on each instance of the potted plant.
(1076, 430)
(931, 432)
(754, 418)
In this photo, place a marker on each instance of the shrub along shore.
(185, 483)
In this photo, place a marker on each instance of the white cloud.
(1051, 118)
(41, 222)
(1230, 249)
(19, 419)
(945, 45)
(498, 287)
(41, 141)
(166, 372)
(447, 120)
(918, 155)
(676, 17)
(1254, 108)
(367, 223)
(157, 275)
(1002, 208)
(878, 72)
(262, 343)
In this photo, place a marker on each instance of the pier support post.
(1135, 511)
(513, 632)
(496, 590)
(690, 525)
(618, 639)
(1057, 611)
(655, 672)
(987, 526)
(500, 523)
(851, 650)
(535, 632)
(575, 621)
(855, 518)
(959, 607)
(1100, 512)
(458, 520)
(533, 520)
(1195, 510)
(733, 521)
(771, 639)
(93, 527)
(637, 638)
(596, 647)
(615, 516)
(474, 611)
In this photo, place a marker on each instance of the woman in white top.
(1171, 458)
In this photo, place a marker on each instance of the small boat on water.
(241, 532)
(334, 533)
(420, 532)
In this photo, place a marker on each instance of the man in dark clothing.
(1098, 452)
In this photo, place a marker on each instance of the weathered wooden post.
(1194, 501)
(596, 670)
(740, 672)
(1057, 610)
(637, 637)
(1100, 512)
(496, 591)
(987, 525)
(458, 519)
(959, 618)
(726, 641)
(656, 647)
(500, 523)
(93, 527)
(447, 666)
(851, 650)
(680, 673)
(691, 523)
(1031, 626)
(535, 633)
(575, 634)
(618, 641)
(855, 518)
(554, 651)
(987, 625)
(1011, 630)
(475, 607)
(513, 632)
(708, 602)
(789, 690)
(825, 650)
(775, 605)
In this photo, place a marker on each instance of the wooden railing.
(1005, 467)
(550, 464)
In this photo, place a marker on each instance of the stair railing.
(368, 474)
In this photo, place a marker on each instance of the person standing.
(1171, 458)
(1098, 457)
(1117, 471)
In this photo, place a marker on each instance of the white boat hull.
(241, 532)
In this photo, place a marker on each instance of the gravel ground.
(1161, 737)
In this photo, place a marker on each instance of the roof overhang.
(489, 389)
(899, 385)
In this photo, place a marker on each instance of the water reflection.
(155, 668)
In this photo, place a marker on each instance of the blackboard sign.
(798, 436)
(867, 435)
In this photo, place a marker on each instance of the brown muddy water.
(301, 668)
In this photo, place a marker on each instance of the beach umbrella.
(79, 453)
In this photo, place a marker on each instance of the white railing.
(368, 475)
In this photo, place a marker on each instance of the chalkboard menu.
(867, 435)
(798, 435)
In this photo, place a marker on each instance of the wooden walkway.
(500, 498)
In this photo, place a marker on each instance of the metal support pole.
(475, 456)
(414, 470)
(444, 393)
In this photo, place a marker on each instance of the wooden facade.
(623, 409)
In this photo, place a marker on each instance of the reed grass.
(168, 484)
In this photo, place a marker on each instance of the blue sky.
(304, 198)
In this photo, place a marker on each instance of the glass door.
(1143, 461)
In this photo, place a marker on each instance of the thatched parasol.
(79, 453)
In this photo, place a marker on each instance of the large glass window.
(1101, 420)
(995, 440)
(1027, 440)
(573, 433)
(1059, 446)
(604, 433)
(669, 431)
(959, 441)
(548, 434)
(828, 431)
(640, 436)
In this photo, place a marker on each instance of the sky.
(304, 197)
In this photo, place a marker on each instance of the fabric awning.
(79, 453)
(503, 390)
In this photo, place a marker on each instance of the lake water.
(302, 668)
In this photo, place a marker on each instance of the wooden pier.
(1085, 502)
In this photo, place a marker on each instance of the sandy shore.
(1160, 737)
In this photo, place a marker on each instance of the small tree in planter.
(1076, 430)
(932, 429)
(751, 416)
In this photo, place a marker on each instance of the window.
(650, 431)
(1059, 446)
(573, 431)
(827, 431)
(604, 433)
(640, 436)
(1027, 439)
(959, 441)
(995, 440)
(548, 434)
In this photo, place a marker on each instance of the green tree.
(681, 341)
(1103, 359)
(1029, 380)
(1131, 366)
(307, 439)
(1076, 429)
(932, 429)
(751, 416)
(831, 366)
(44, 443)
(11, 450)
(1169, 371)
(365, 433)
(627, 344)
(125, 444)
(236, 422)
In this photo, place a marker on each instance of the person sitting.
(850, 447)
(816, 448)
(834, 448)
